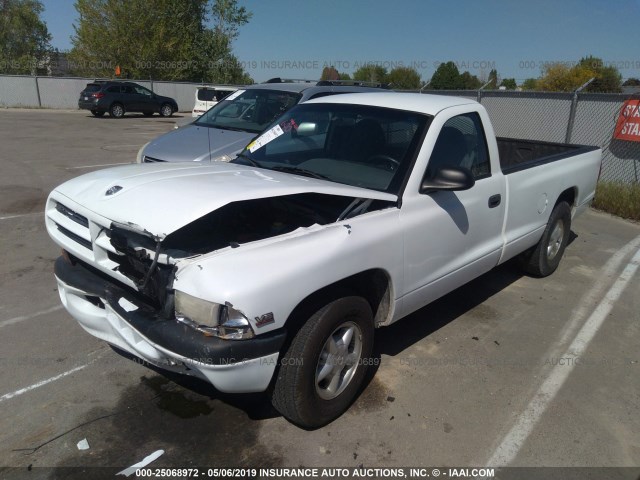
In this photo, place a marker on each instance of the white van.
(208, 96)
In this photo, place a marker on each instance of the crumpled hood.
(160, 198)
(193, 143)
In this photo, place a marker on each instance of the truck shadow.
(257, 406)
(397, 337)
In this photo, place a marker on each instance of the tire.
(96, 113)
(147, 114)
(300, 393)
(545, 257)
(166, 110)
(116, 110)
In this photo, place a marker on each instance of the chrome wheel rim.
(555, 240)
(118, 111)
(166, 111)
(338, 360)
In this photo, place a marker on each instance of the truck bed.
(516, 154)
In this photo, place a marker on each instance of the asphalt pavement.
(507, 370)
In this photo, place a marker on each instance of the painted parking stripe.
(96, 166)
(515, 439)
(42, 383)
(7, 217)
(595, 293)
(22, 318)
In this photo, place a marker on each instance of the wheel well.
(569, 196)
(373, 285)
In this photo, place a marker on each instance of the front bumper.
(118, 316)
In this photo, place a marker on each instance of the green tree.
(228, 17)
(345, 76)
(469, 82)
(558, 77)
(530, 84)
(561, 78)
(631, 82)
(24, 37)
(371, 73)
(607, 78)
(404, 78)
(446, 77)
(509, 83)
(493, 80)
(165, 39)
(330, 73)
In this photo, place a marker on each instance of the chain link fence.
(583, 118)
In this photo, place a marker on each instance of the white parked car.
(350, 212)
(208, 96)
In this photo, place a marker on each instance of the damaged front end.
(151, 262)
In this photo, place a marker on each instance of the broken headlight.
(212, 319)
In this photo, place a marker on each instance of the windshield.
(249, 110)
(363, 146)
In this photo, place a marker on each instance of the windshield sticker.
(234, 95)
(265, 138)
(289, 125)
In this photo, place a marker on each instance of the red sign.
(628, 125)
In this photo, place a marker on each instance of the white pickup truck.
(270, 273)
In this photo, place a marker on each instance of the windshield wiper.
(250, 160)
(233, 129)
(301, 171)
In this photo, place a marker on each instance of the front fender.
(274, 275)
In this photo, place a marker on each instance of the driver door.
(452, 237)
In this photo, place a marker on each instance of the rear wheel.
(96, 113)
(116, 110)
(166, 110)
(325, 365)
(545, 257)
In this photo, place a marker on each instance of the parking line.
(21, 215)
(515, 439)
(43, 382)
(596, 292)
(103, 165)
(22, 318)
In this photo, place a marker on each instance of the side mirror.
(448, 178)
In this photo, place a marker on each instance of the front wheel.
(545, 257)
(166, 110)
(325, 365)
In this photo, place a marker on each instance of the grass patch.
(621, 199)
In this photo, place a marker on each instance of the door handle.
(494, 200)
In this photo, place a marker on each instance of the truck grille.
(76, 217)
(77, 238)
(84, 235)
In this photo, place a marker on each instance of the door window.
(461, 143)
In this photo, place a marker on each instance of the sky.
(296, 39)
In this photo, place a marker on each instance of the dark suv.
(117, 98)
